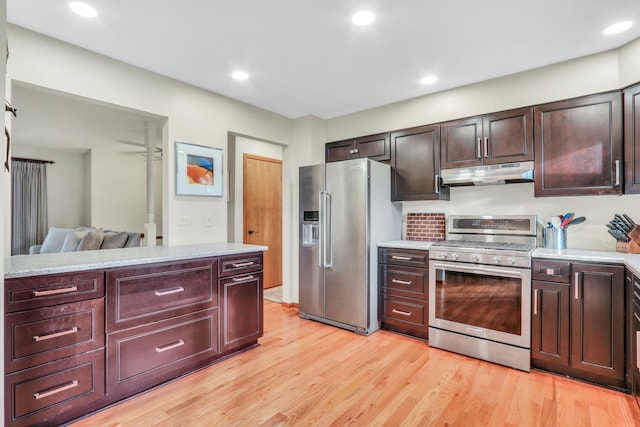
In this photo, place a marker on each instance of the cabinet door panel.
(339, 150)
(632, 139)
(139, 295)
(461, 143)
(240, 311)
(374, 147)
(550, 325)
(509, 136)
(39, 336)
(415, 161)
(598, 320)
(578, 144)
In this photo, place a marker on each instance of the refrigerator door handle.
(321, 199)
(328, 240)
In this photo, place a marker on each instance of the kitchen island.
(84, 330)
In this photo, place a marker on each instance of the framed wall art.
(198, 170)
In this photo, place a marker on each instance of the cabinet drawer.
(404, 281)
(239, 264)
(145, 294)
(409, 257)
(142, 357)
(42, 335)
(54, 393)
(405, 315)
(551, 271)
(41, 291)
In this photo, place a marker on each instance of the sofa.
(60, 239)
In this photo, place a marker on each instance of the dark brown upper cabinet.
(632, 139)
(495, 138)
(374, 147)
(578, 145)
(415, 164)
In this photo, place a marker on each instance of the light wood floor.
(309, 374)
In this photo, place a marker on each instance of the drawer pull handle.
(243, 278)
(404, 313)
(550, 272)
(402, 282)
(52, 391)
(38, 338)
(535, 302)
(55, 291)
(169, 291)
(402, 258)
(576, 294)
(242, 264)
(638, 350)
(176, 344)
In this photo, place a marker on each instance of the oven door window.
(484, 301)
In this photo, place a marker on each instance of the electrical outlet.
(208, 220)
(184, 220)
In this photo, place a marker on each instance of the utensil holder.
(630, 247)
(554, 238)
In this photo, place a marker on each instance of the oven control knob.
(475, 258)
(497, 259)
(442, 255)
(455, 256)
(511, 260)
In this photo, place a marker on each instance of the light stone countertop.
(631, 261)
(41, 264)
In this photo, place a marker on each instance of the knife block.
(628, 247)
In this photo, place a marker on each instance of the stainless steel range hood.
(490, 174)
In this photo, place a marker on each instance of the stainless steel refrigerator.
(345, 210)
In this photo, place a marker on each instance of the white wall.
(193, 115)
(596, 73)
(118, 188)
(65, 183)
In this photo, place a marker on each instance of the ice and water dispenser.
(310, 228)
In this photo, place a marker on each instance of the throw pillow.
(54, 240)
(72, 241)
(92, 240)
(113, 240)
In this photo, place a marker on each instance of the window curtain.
(29, 205)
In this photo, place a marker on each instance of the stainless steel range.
(480, 288)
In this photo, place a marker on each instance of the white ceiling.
(305, 56)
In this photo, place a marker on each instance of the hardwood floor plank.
(305, 373)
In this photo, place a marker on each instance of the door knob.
(251, 231)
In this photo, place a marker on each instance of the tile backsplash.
(428, 227)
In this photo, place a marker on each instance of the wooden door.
(415, 165)
(262, 178)
(632, 139)
(578, 145)
(550, 324)
(597, 322)
(462, 143)
(508, 136)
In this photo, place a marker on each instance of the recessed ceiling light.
(363, 17)
(428, 80)
(240, 75)
(617, 28)
(83, 9)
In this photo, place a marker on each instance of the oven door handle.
(478, 269)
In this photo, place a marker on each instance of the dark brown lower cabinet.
(633, 350)
(578, 327)
(240, 311)
(403, 280)
(56, 392)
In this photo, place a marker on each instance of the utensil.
(629, 220)
(556, 222)
(626, 225)
(578, 220)
(614, 233)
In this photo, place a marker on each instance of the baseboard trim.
(290, 305)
